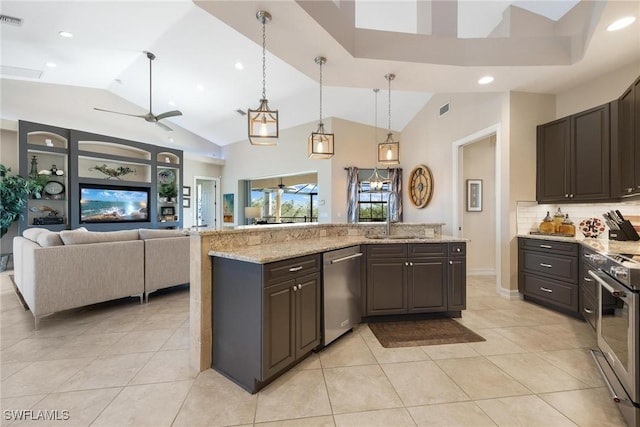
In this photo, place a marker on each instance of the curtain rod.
(347, 168)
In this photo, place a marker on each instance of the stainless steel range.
(618, 326)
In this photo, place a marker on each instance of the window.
(297, 197)
(372, 207)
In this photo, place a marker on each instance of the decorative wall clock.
(420, 186)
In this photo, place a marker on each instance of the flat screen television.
(111, 203)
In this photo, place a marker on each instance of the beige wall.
(191, 169)
(480, 227)
(601, 90)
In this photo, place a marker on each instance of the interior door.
(206, 202)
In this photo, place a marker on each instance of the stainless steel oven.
(617, 329)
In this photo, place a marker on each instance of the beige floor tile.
(178, 341)
(391, 355)
(82, 407)
(576, 362)
(296, 394)
(170, 365)
(140, 341)
(524, 411)
(360, 388)
(215, 401)
(535, 373)
(145, 405)
(381, 418)
(326, 421)
(33, 349)
(414, 382)
(449, 351)
(481, 379)
(310, 362)
(531, 339)
(8, 369)
(171, 321)
(15, 407)
(107, 371)
(459, 414)
(86, 346)
(41, 377)
(495, 344)
(587, 408)
(115, 324)
(349, 350)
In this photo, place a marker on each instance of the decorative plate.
(166, 176)
(591, 227)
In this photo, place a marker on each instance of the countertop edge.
(600, 245)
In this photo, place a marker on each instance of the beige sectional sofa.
(73, 268)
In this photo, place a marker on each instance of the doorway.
(488, 237)
(206, 205)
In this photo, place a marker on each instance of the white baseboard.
(481, 271)
(512, 295)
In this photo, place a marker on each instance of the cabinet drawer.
(555, 266)
(280, 271)
(588, 283)
(549, 246)
(457, 249)
(557, 293)
(589, 309)
(387, 251)
(423, 250)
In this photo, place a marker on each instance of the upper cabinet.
(628, 139)
(573, 163)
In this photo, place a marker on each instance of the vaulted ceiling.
(431, 46)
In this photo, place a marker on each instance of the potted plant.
(168, 191)
(14, 190)
(37, 183)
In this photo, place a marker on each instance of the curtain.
(352, 194)
(395, 195)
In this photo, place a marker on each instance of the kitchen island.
(261, 246)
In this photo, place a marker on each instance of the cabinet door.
(386, 287)
(457, 281)
(427, 285)
(636, 121)
(553, 160)
(626, 146)
(307, 325)
(278, 328)
(590, 155)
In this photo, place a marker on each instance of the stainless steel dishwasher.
(341, 287)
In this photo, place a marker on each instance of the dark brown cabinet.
(628, 138)
(588, 289)
(548, 273)
(573, 158)
(415, 278)
(265, 317)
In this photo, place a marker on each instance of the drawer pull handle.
(586, 310)
(546, 246)
(546, 290)
(586, 279)
(542, 264)
(457, 249)
(294, 269)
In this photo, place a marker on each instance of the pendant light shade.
(320, 142)
(389, 151)
(376, 182)
(263, 122)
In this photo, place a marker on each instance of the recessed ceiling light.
(485, 80)
(239, 66)
(621, 23)
(173, 104)
(65, 34)
(200, 87)
(50, 64)
(170, 139)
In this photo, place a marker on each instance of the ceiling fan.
(150, 117)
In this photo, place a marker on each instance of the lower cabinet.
(265, 317)
(415, 278)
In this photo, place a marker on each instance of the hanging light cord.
(320, 91)
(264, 63)
(375, 129)
(389, 106)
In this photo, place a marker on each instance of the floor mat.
(412, 333)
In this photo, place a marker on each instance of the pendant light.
(376, 182)
(389, 151)
(320, 142)
(263, 122)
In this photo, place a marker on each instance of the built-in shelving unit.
(130, 178)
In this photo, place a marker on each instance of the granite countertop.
(600, 245)
(265, 253)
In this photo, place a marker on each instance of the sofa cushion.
(149, 233)
(79, 237)
(49, 238)
(33, 233)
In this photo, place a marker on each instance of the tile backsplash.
(529, 214)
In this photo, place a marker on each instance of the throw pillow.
(49, 238)
(79, 237)
(33, 233)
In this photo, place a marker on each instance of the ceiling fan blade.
(118, 112)
(163, 126)
(172, 113)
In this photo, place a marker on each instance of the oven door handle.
(602, 282)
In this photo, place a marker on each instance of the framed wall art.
(474, 195)
(227, 207)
